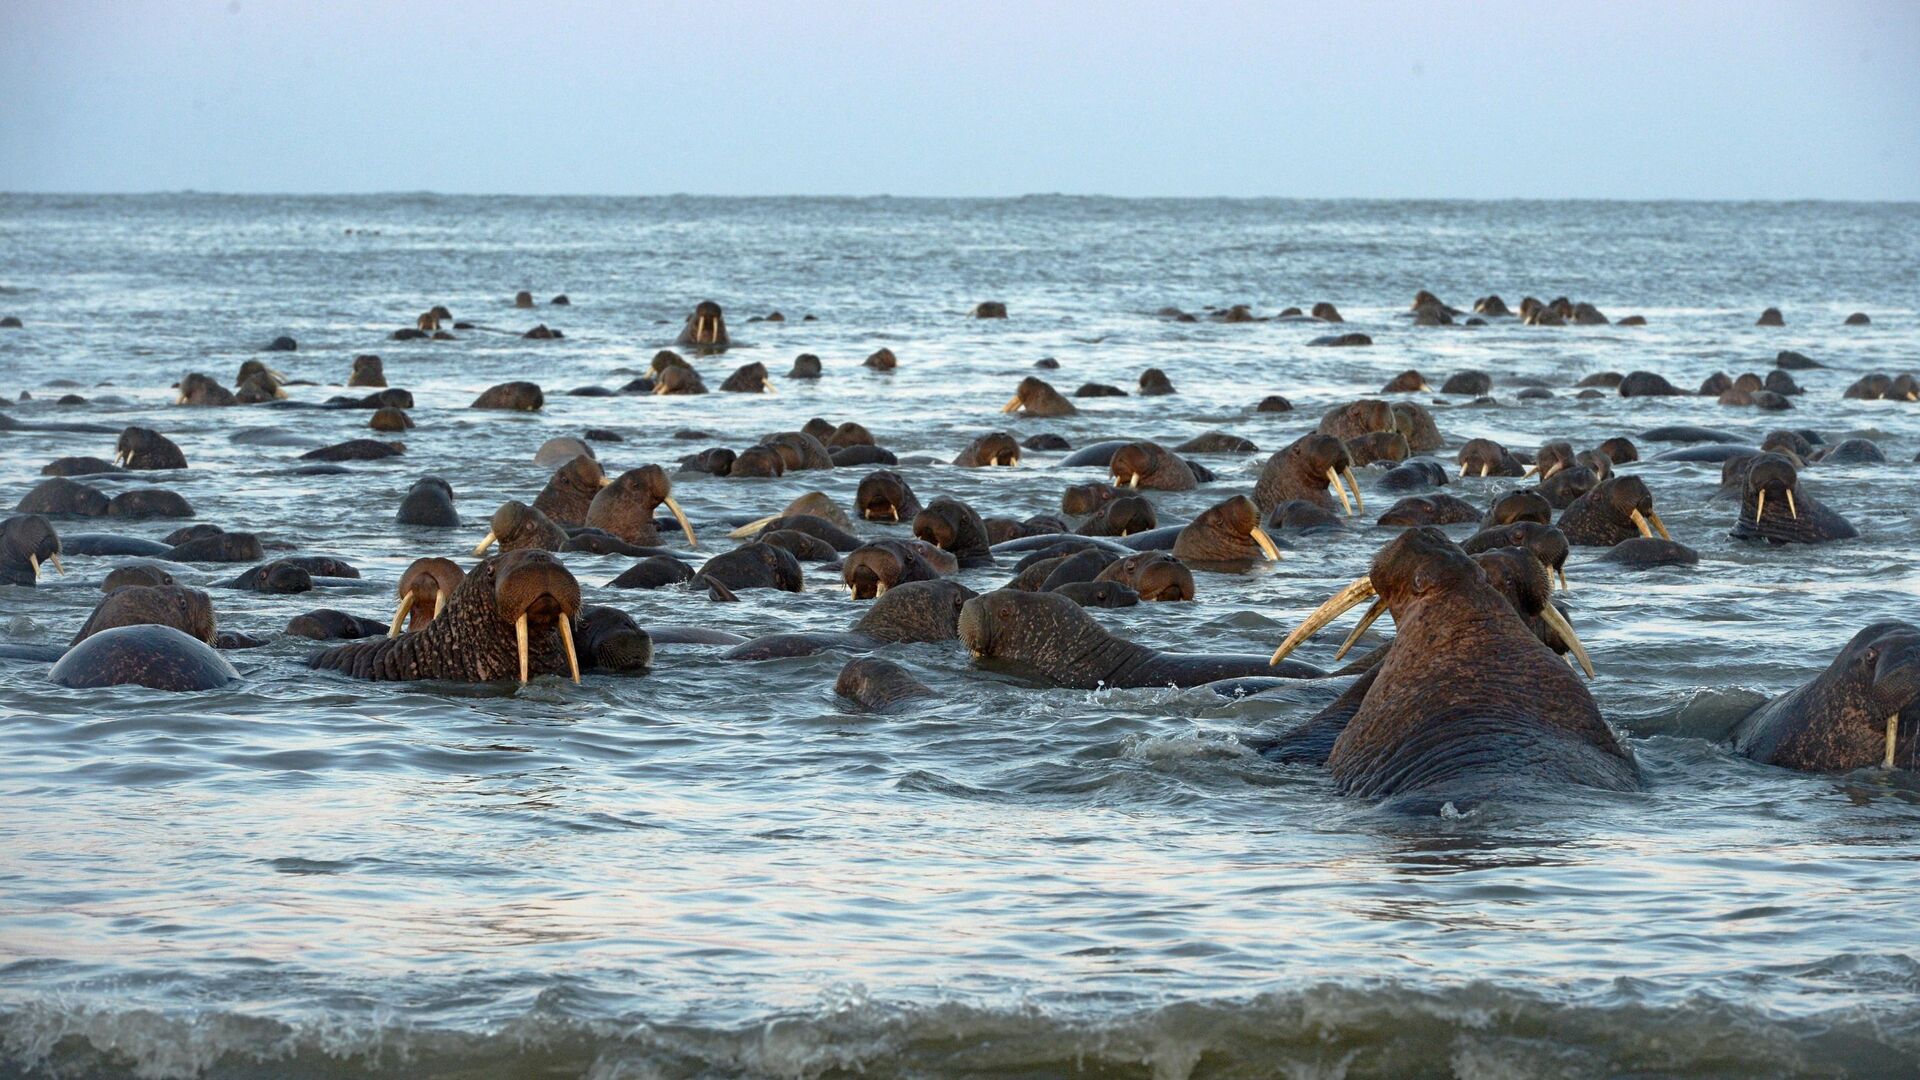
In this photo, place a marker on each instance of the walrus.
(756, 461)
(1467, 701)
(145, 448)
(390, 398)
(801, 546)
(752, 565)
(877, 685)
(1851, 452)
(511, 615)
(1771, 317)
(428, 503)
(1226, 535)
(1523, 504)
(1862, 711)
(1469, 383)
(653, 572)
(884, 495)
(1154, 576)
(515, 526)
(624, 506)
(1566, 486)
(1492, 307)
(367, 371)
(1407, 382)
(1326, 312)
(356, 450)
(1149, 465)
(189, 611)
(60, 496)
(1082, 499)
(805, 366)
(1484, 457)
(990, 309)
(1544, 542)
(79, 466)
(1858, 318)
(153, 656)
(216, 545)
(1092, 390)
(424, 591)
(811, 524)
(1414, 475)
(993, 448)
(135, 574)
(511, 396)
(389, 420)
(1217, 442)
(1154, 383)
(1303, 470)
(149, 503)
(748, 379)
(874, 567)
(1351, 339)
(543, 332)
(952, 525)
(881, 359)
(714, 461)
(1616, 509)
(198, 389)
(1795, 518)
(912, 611)
(281, 577)
(1123, 516)
(26, 542)
(706, 329)
(330, 624)
(1648, 384)
(1437, 509)
(1048, 637)
(1038, 397)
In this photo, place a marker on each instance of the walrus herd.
(1480, 692)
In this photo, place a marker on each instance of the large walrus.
(706, 329)
(1864, 710)
(1467, 703)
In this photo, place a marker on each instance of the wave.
(1335, 1031)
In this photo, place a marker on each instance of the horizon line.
(1035, 195)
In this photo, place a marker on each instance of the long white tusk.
(1266, 543)
(1011, 406)
(685, 527)
(1359, 504)
(1791, 508)
(1640, 521)
(1134, 482)
(1662, 526)
(400, 614)
(520, 635)
(1531, 469)
(1334, 479)
(752, 527)
(767, 388)
(1760, 506)
(1893, 730)
(895, 511)
(1350, 597)
(35, 561)
(1562, 571)
(566, 638)
(1484, 466)
(1557, 466)
(1463, 468)
(1552, 617)
(1373, 613)
(879, 589)
(54, 558)
(439, 602)
(485, 543)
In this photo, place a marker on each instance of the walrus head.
(532, 591)
(1545, 543)
(1420, 564)
(1551, 458)
(1515, 506)
(189, 611)
(1228, 531)
(516, 525)
(1154, 382)
(1484, 457)
(871, 569)
(199, 389)
(30, 539)
(254, 369)
(994, 448)
(1082, 499)
(1155, 575)
(1326, 312)
(706, 327)
(1620, 450)
(679, 379)
(749, 379)
(1886, 656)
(1407, 382)
(917, 611)
(1628, 499)
(1039, 398)
(1015, 626)
(847, 433)
(628, 501)
(1143, 462)
(1126, 515)
(1378, 446)
(424, 591)
(1770, 475)
(1317, 456)
(883, 495)
(145, 448)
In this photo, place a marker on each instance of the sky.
(1759, 99)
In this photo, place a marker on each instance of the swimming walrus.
(952, 525)
(571, 489)
(875, 567)
(1862, 711)
(1149, 465)
(1152, 575)
(624, 506)
(145, 448)
(1616, 509)
(706, 329)
(511, 615)
(157, 657)
(1226, 536)
(1303, 470)
(1039, 398)
(993, 448)
(189, 611)
(1773, 506)
(884, 495)
(1048, 637)
(878, 685)
(515, 525)
(1467, 703)
(912, 611)
(424, 590)
(428, 503)
(27, 541)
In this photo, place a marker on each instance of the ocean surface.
(721, 870)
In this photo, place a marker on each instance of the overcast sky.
(1754, 99)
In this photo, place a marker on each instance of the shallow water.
(719, 870)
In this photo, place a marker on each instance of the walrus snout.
(1896, 666)
(424, 591)
(533, 591)
(706, 328)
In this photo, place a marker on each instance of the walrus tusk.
(1350, 597)
(1640, 521)
(1760, 506)
(279, 394)
(1425, 389)
(35, 561)
(1484, 467)
(1011, 406)
(439, 602)
(120, 457)
(54, 558)
(1266, 543)
(520, 635)
(1662, 526)
(1373, 613)
(1359, 504)
(605, 480)
(400, 614)
(895, 511)
(1134, 482)
(1791, 508)
(1531, 469)
(1334, 479)
(685, 527)
(1010, 460)
(181, 400)
(1893, 730)
(767, 388)
(659, 387)
(1463, 468)
(879, 589)
(485, 543)
(1552, 617)
(281, 376)
(1562, 571)
(752, 527)
(1557, 466)
(566, 638)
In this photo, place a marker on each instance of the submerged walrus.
(1467, 702)
(570, 490)
(1773, 506)
(189, 611)
(1304, 470)
(1039, 398)
(511, 615)
(1863, 711)
(157, 657)
(26, 542)
(1048, 636)
(624, 506)
(912, 611)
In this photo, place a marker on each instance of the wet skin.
(1863, 711)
